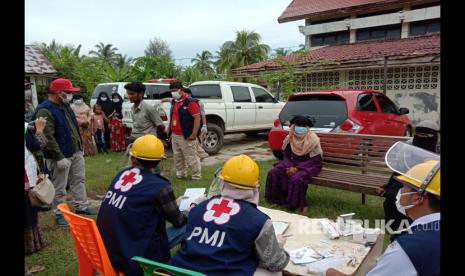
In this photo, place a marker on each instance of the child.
(98, 128)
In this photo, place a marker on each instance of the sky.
(188, 26)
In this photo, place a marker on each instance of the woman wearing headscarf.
(117, 137)
(34, 141)
(288, 180)
(82, 111)
(107, 107)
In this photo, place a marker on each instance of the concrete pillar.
(405, 26)
(308, 42)
(353, 32)
(34, 92)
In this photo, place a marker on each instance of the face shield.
(416, 165)
(216, 186)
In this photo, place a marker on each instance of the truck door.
(266, 108)
(244, 108)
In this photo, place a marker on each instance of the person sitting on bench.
(288, 180)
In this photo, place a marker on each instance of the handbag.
(43, 192)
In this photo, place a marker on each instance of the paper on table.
(303, 255)
(280, 227)
(191, 194)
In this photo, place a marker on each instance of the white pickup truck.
(230, 107)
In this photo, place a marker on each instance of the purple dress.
(291, 192)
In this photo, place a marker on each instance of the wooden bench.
(355, 162)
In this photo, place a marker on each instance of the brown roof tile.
(35, 62)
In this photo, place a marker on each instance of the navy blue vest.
(128, 222)
(185, 118)
(62, 127)
(220, 236)
(423, 248)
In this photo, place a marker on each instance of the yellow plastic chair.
(90, 249)
(151, 268)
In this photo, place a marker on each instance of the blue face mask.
(301, 130)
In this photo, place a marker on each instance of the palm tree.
(122, 61)
(245, 50)
(281, 52)
(203, 62)
(105, 52)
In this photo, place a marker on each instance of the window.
(330, 38)
(366, 103)
(206, 91)
(261, 96)
(154, 91)
(386, 105)
(241, 94)
(425, 27)
(109, 88)
(379, 33)
(326, 111)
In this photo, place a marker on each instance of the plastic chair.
(91, 252)
(151, 268)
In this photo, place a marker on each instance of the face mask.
(116, 100)
(103, 98)
(301, 130)
(67, 98)
(400, 207)
(176, 95)
(78, 102)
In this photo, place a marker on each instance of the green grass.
(59, 257)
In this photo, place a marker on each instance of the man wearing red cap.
(63, 153)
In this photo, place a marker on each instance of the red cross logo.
(128, 179)
(220, 210)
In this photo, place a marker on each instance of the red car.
(350, 111)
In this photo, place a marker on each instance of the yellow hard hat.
(241, 172)
(424, 176)
(147, 147)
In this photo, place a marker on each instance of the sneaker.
(60, 219)
(196, 178)
(87, 212)
(181, 176)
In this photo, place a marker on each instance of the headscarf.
(117, 107)
(107, 106)
(306, 144)
(240, 194)
(426, 135)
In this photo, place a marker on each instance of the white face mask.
(176, 95)
(116, 100)
(104, 98)
(78, 101)
(68, 97)
(400, 207)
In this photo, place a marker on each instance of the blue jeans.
(100, 141)
(175, 235)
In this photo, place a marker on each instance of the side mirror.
(403, 111)
(275, 100)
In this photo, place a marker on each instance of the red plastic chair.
(90, 249)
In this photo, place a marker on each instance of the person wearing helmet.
(63, 153)
(132, 215)
(227, 234)
(417, 250)
(426, 137)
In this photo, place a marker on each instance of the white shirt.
(395, 261)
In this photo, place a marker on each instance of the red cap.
(64, 85)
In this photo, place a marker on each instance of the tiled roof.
(35, 62)
(360, 51)
(300, 9)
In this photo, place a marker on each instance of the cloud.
(189, 27)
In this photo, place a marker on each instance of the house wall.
(414, 87)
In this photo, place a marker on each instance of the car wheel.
(408, 132)
(278, 155)
(213, 141)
